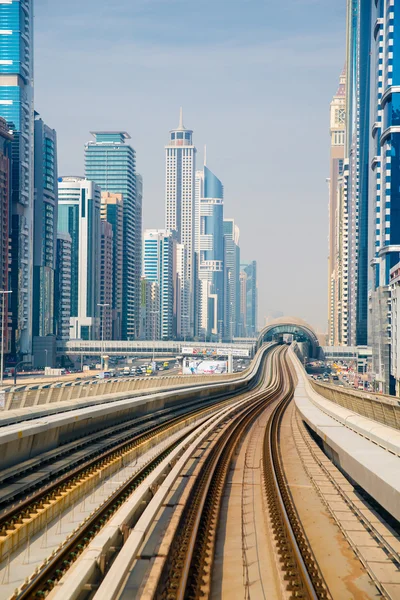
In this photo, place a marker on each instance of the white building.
(159, 267)
(79, 215)
(182, 294)
(180, 156)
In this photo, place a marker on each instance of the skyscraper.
(79, 215)
(112, 211)
(106, 280)
(150, 310)
(16, 106)
(62, 285)
(158, 267)
(111, 163)
(384, 215)
(249, 298)
(357, 151)
(180, 156)
(45, 228)
(5, 211)
(231, 279)
(337, 133)
(211, 253)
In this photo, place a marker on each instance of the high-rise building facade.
(111, 163)
(248, 300)
(180, 156)
(62, 285)
(337, 133)
(16, 107)
(150, 323)
(231, 279)
(106, 280)
(112, 211)
(211, 253)
(44, 228)
(5, 215)
(182, 297)
(79, 215)
(158, 267)
(357, 152)
(384, 182)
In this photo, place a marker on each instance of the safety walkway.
(364, 449)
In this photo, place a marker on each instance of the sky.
(254, 78)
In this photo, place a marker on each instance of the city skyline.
(243, 110)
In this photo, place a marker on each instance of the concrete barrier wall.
(27, 439)
(386, 411)
(79, 390)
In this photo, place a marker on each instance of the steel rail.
(192, 549)
(29, 505)
(298, 562)
(50, 573)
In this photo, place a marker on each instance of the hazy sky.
(255, 79)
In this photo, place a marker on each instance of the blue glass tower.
(158, 267)
(16, 106)
(45, 228)
(359, 14)
(210, 192)
(111, 163)
(385, 180)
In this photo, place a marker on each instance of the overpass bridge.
(158, 348)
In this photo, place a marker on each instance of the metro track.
(54, 568)
(186, 570)
(72, 461)
(187, 573)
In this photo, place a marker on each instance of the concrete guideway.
(83, 571)
(31, 554)
(247, 487)
(27, 438)
(366, 450)
(374, 543)
(203, 394)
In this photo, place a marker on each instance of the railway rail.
(54, 568)
(187, 572)
(188, 569)
(302, 574)
(73, 458)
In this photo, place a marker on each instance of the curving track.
(181, 563)
(188, 569)
(161, 427)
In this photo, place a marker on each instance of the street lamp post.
(46, 357)
(103, 306)
(3, 292)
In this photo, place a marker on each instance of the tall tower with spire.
(180, 165)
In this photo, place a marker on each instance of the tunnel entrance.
(286, 330)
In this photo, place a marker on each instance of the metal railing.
(385, 410)
(80, 390)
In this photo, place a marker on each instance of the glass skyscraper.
(111, 163)
(45, 228)
(231, 279)
(79, 215)
(211, 253)
(158, 267)
(384, 180)
(357, 167)
(16, 107)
